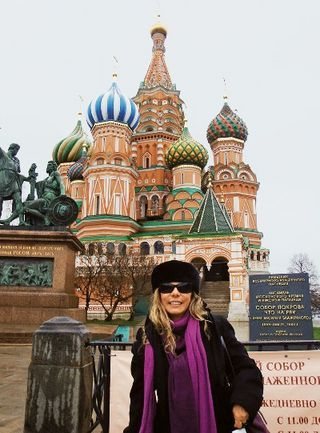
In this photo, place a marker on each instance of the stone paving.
(14, 363)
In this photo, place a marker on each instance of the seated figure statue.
(47, 190)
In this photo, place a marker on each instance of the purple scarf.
(197, 362)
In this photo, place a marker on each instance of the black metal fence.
(101, 363)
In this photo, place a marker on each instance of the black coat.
(246, 390)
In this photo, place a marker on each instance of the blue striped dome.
(113, 106)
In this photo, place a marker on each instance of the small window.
(174, 247)
(97, 205)
(118, 161)
(91, 249)
(122, 249)
(144, 249)
(143, 206)
(100, 161)
(158, 247)
(147, 160)
(99, 248)
(110, 248)
(155, 204)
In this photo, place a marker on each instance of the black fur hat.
(175, 270)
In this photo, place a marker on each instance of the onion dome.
(186, 151)
(227, 124)
(113, 106)
(70, 148)
(75, 170)
(158, 28)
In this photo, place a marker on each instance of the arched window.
(117, 161)
(158, 247)
(144, 249)
(97, 204)
(264, 257)
(252, 255)
(183, 215)
(91, 249)
(143, 206)
(100, 161)
(258, 256)
(147, 160)
(110, 248)
(164, 201)
(122, 249)
(174, 247)
(155, 204)
(99, 248)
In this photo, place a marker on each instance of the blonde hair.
(162, 323)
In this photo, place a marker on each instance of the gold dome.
(158, 28)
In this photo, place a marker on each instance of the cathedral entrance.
(215, 289)
(199, 263)
(218, 270)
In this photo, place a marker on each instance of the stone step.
(216, 294)
(216, 283)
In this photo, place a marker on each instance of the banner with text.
(291, 390)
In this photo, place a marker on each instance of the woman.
(179, 369)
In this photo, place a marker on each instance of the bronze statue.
(47, 190)
(11, 180)
(51, 207)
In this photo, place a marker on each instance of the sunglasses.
(181, 286)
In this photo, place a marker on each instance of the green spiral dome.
(186, 151)
(69, 149)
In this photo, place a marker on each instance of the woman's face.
(175, 303)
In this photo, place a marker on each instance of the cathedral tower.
(161, 124)
(235, 183)
(110, 176)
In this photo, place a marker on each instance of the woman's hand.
(240, 415)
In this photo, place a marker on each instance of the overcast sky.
(52, 51)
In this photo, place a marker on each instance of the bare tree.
(112, 280)
(302, 263)
(88, 271)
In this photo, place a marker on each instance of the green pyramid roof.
(212, 217)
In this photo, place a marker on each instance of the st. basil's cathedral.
(141, 185)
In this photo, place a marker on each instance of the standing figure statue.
(11, 180)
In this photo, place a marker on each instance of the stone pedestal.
(59, 379)
(37, 269)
